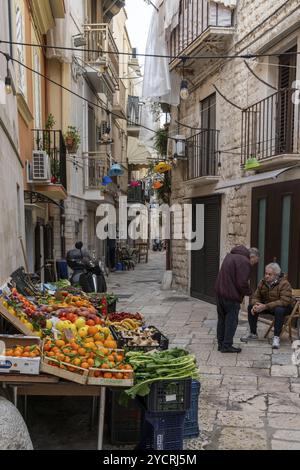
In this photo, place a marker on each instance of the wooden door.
(276, 228)
(205, 263)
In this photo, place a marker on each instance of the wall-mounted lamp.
(184, 90)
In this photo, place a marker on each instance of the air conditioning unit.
(40, 166)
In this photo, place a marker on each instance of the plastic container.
(124, 422)
(169, 396)
(157, 336)
(191, 423)
(162, 431)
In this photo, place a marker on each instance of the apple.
(80, 323)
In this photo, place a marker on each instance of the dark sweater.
(233, 279)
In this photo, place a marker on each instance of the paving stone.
(266, 364)
(284, 421)
(248, 402)
(273, 384)
(244, 363)
(245, 371)
(281, 359)
(284, 445)
(287, 435)
(242, 439)
(236, 382)
(209, 370)
(284, 403)
(219, 359)
(207, 419)
(240, 419)
(284, 371)
(295, 388)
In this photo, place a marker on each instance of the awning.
(32, 197)
(253, 179)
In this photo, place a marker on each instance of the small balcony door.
(286, 108)
(208, 141)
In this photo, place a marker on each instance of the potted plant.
(72, 139)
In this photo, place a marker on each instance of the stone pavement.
(249, 400)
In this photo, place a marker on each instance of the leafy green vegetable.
(175, 364)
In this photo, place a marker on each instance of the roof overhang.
(253, 179)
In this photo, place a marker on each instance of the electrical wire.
(160, 56)
(117, 116)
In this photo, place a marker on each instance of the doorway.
(276, 228)
(205, 263)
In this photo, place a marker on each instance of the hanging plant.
(161, 141)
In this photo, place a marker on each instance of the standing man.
(231, 287)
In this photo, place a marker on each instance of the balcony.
(270, 131)
(53, 164)
(136, 195)
(102, 57)
(203, 157)
(134, 116)
(205, 27)
(96, 165)
(119, 101)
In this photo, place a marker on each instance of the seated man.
(273, 295)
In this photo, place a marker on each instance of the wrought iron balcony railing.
(102, 49)
(269, 127)
(203, 154)
(52, 143)
(195, 17)
(134, 111)
(136, 195)
(96, 166)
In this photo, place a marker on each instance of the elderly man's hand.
(260, 308)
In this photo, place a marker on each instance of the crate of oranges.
(20, 355)
(92, 358)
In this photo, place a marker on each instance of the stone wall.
(256, 31)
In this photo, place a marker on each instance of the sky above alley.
(139, 16)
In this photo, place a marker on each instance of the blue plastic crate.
(162, 431)
(191, 424)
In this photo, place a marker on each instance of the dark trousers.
(279, 313)
(228, 318)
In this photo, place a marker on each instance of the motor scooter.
(87, 273)
(157, 245)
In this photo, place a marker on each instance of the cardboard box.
(18, 365)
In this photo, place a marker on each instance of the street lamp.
(8, 85)
(184, 90)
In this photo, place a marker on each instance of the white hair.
(254, 252)
(275, 268)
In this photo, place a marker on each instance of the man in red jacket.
(231, 287)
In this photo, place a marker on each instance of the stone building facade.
(271, 30)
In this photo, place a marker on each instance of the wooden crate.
(110, 382)
(15, 321)
(79, 377)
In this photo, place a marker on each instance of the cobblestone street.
(249, 400)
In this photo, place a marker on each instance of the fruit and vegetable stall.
(68, 341)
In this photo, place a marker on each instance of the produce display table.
(45, 385)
